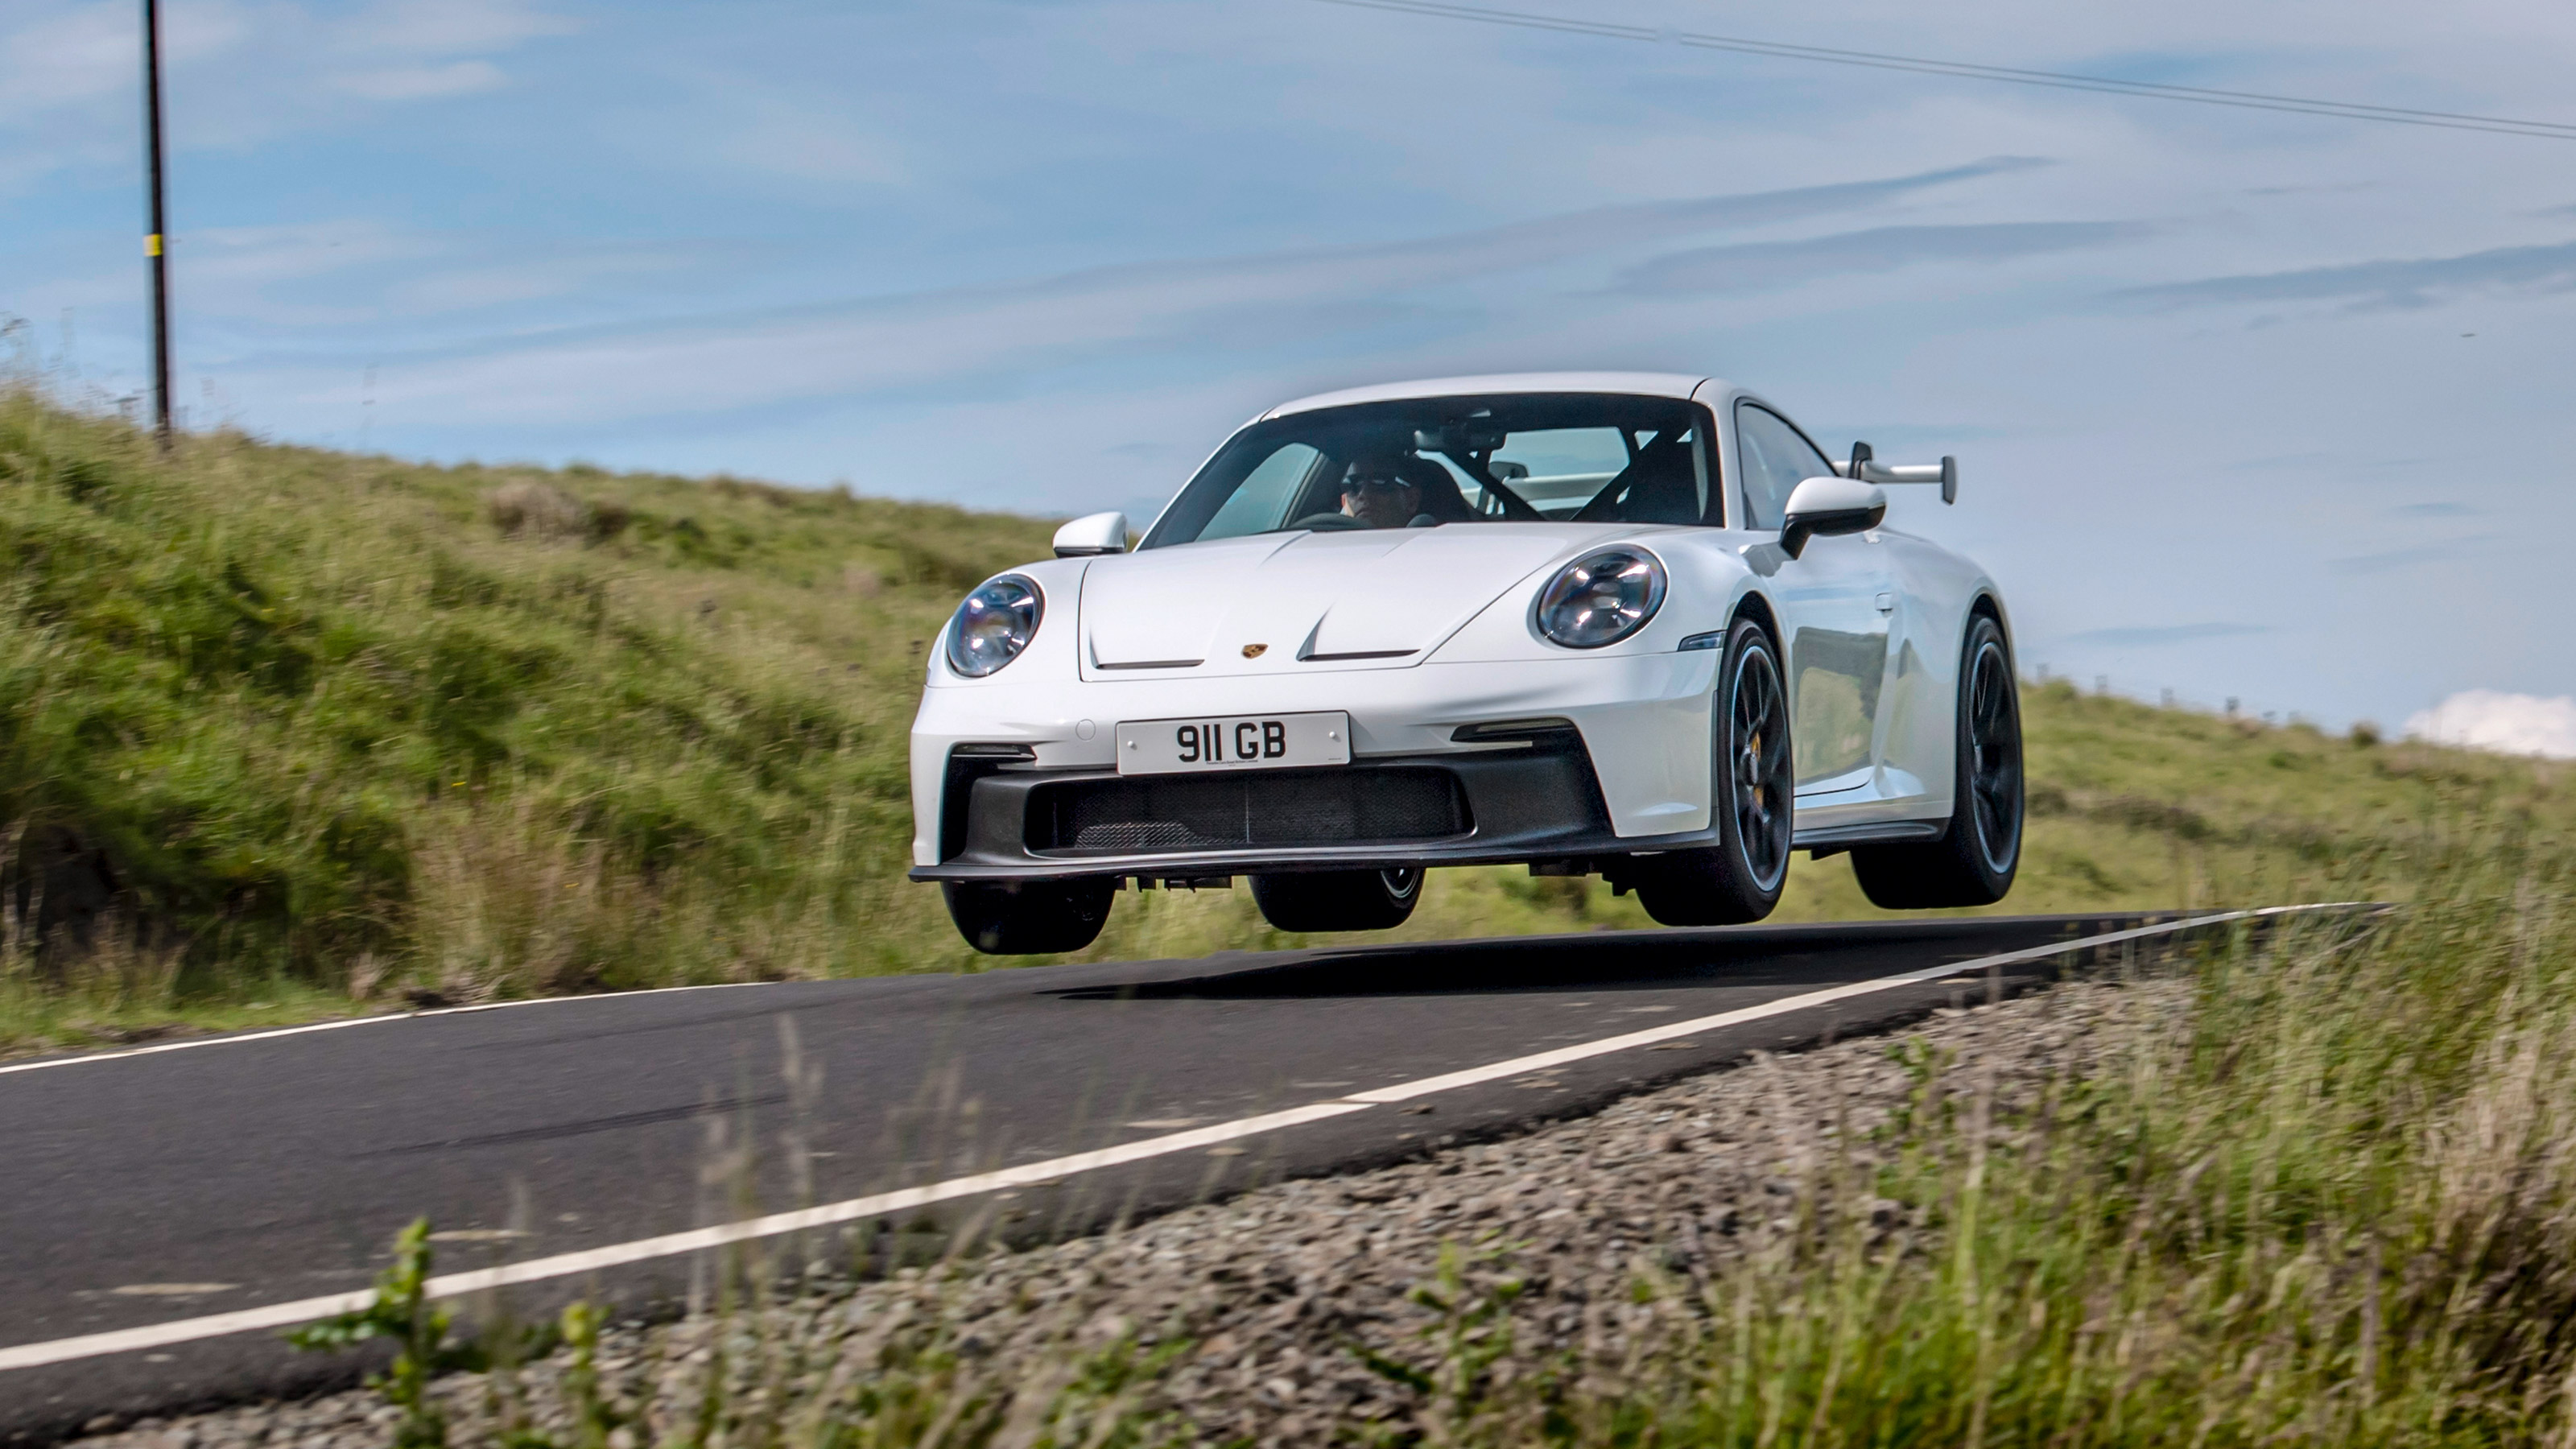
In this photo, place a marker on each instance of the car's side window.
(1776, 458)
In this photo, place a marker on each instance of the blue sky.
(2247, 404)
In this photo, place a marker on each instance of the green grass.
(286, 732)
(279, 722)
(2334, 1205)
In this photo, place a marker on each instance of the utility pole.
(155, 242)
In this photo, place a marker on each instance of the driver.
(1385, 492)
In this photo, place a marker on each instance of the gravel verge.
(1245, 1319)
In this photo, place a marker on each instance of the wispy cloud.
(2420, 282)
(2403, 558)
(451, 27)
(1760, 266)
(2349, 186)
(420, 82)
(2320, 461)
(922, 340)
(2284, 460)
(88, 52)
(240, 71)
(65, 57)
(359, 271)
(231, 260)
(476, 282)
(2155, 634)
(805, 137)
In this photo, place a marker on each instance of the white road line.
(1539, 1061)
(562, 1265)
(450, 1285)
(235, 1038)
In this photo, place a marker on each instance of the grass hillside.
(286, 732)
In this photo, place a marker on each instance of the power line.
(1969, 70)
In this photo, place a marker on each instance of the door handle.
(1887, 603)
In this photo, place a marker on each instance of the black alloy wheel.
(1029, 917)
(1974, 863)
(1338, 900)
(1752, 796)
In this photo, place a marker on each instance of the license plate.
(1234, 742)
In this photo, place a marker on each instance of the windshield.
(1430, 462)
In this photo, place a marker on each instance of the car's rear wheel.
(1974, 863)
(1338, 900)
(1029, 917)
(1752, 794)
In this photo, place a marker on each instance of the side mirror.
(1091, 535)
(1825, 506)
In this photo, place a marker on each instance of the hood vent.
(1307, 653)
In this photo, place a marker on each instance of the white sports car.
(1624, 624)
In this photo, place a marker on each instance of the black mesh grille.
(1246, 811)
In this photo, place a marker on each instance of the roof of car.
(1643, 384)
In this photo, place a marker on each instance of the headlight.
(1601, 598)
(994, 624)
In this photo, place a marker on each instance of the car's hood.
(1356, 600)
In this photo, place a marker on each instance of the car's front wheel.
(1029, 917)
(1739, 878)
(1338, 900)
(1974, 862)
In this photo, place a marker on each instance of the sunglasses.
(1375, 485)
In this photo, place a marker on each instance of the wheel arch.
(1757, 608)
(1983, 602)
(1992, 606)
(1720, 883)
(1986, 604)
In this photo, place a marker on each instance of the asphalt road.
(144, 1189)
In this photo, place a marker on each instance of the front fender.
(1054, 653)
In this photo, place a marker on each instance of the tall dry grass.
(2333, 1202)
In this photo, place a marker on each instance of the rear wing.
(1865, 466)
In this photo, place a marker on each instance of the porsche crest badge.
(1255, 651)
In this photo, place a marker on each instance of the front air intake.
(1279, 809)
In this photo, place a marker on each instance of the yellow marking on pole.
(152, 245)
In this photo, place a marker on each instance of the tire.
(1338, 900)
(1751, 792)
(1974, 862)
(1028, 917)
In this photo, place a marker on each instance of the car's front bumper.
(1532, 800)
(1637, 776)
